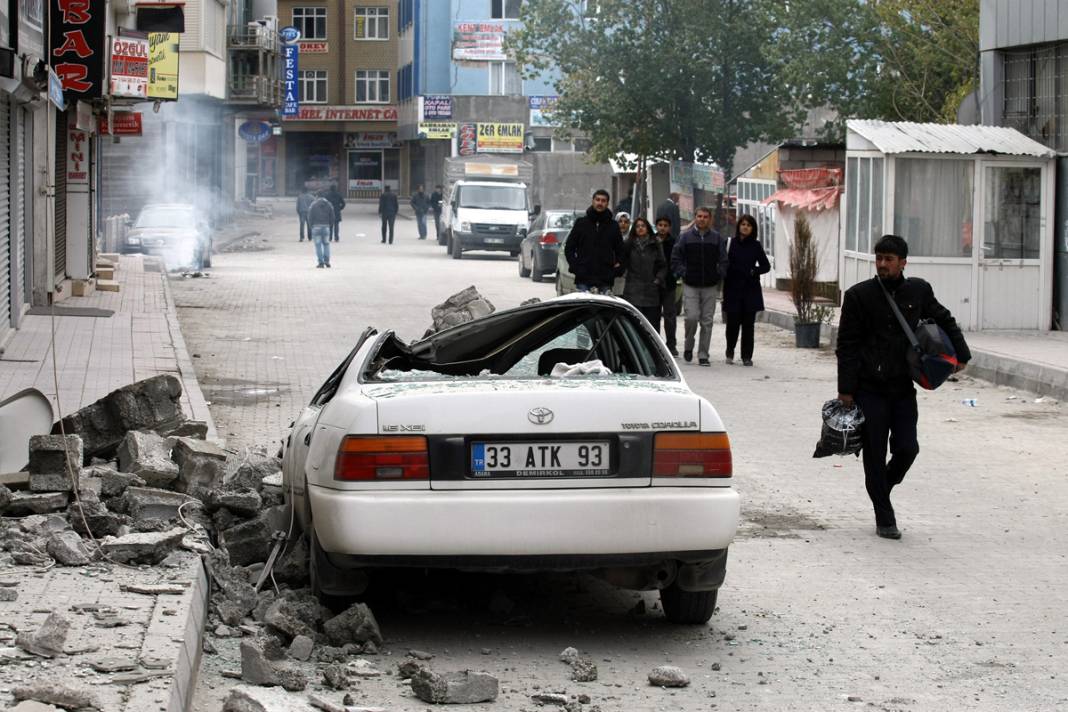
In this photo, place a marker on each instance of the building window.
(405, 83)
(372, 86)
(372, 23)
(505, 79)
(543, 144)
(1013, 213)
(405, 15)
(311, 21)
(751, 196)
(504, 9)
(1036, 94)
(864, 203)
(311, 86)
(932, 205)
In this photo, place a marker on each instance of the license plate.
(494, 240)
(541, 459)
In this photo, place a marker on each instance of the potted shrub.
(804, 266)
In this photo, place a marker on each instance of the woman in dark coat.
(742, 295)
(646, 267)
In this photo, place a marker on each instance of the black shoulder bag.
(932, 358)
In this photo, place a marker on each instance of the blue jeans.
(420, 221)
(320, 234)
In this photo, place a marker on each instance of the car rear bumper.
(524, 522)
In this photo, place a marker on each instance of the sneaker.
(688, 355)
(319, 266)
(890, 532)
(703, 362)
(328, 265)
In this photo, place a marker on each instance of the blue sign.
(542, 103)
(290, 98)
(289, 34)
(254, 131)
(55, 90)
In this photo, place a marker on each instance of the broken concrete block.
(189, 429)
(245, 698)
(250, 542)
(583, 670)
(246, 472)
(245, 503)
(256, 669)
(668, 676)
(292, 566)
(23, 503)
(52, 691)
(48, 640)
(357, 624)
(51, 453)
(68, 549)
(301, 648)
(34, 706)
(148, 456)
(89, 517)
(112, 482)
(294, 616)
(200, 464)
(235, 598)
(143, 548)
(151, 404)
(457, 688)
(53, 482)
(144, 503)
(5, 497)
(462, 307)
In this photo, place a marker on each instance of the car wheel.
(523, 271)
(688, 607)
(457, 250)
(317, 559)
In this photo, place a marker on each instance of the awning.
(814, 199)
(160, 17)
(824, 177)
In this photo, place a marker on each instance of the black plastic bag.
(842, 430)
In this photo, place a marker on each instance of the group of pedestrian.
(320, 220)
(599, 249)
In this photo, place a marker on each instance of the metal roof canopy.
(906, 137)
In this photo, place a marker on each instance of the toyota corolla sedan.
(175, 231)
(557, 436)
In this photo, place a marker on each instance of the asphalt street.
(966, 612)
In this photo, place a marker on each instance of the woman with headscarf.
(742, 294)
(646, 267)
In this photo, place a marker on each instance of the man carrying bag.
(876, 364)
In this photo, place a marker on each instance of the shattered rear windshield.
(576, 341)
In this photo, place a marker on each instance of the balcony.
(254, 89)
(252, 37)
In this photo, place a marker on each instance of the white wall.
(825, 229)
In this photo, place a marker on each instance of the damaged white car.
(557, 436)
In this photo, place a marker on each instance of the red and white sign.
(129, 66)
(123, 123)
(344, 113)
(77, 158)
(313, 47)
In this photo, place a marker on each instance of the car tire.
(536, 275)
(688, 607)
(523, 271)
(456, 250)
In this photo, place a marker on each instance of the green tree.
(673, 79)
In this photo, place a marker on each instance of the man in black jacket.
(669, 304)
(387, 210)
(873, 369)
(594, 247)
(437, 198)
(700, 258)
(670, 209)
(337, 202)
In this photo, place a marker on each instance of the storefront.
(313, 160)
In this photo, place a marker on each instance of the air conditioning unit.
(271, 23)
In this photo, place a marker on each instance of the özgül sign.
(289, 34)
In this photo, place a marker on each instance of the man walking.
(668, 301)
(700, 258)
(436, 200)
(670, 209)
(594, 247)
(321, 221)
(387, 211)
(304, 201)
(421, 205)
(337, 202)
(873, 370)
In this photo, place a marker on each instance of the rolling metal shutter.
(5, 215)
(61, 196)
(18, 193)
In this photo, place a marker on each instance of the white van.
(486, 215)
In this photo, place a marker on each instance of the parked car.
(482, 447)
(540, 249)
(176, 231)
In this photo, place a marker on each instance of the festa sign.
(290, 61)
(254, 131)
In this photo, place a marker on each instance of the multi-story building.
(346, 128)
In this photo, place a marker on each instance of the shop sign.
(437, 107)
(437, 130)
(123, 123)
(708, 178)
(163, 65)
(129, 65)
(83, 116)
(76, 46)
(371, 139)
(364, 184)
(290, 95)
(254, 131)
(467, 139)
(478, 42)
(77, 158)
(345, 113)
(55, 90)
(500, 138)
(313, 47)
(541, 108)
(289, 34)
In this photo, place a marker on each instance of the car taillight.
(692, 455)
(364, 458)
(549, 238)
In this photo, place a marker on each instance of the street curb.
(190, 384)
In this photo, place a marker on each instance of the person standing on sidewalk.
(321, 221)
(337, 202)
(670, 209)
(387, 211)
(700, 258)
(669, 305)
(421, 205)
(646, 268)
(874, 374)
(594, 247)
(437, 198)
(742, 294)
(304, 201)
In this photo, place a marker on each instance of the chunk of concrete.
(52, 691)
(151, 404)
(294, 616)
(245, 698)
(301, 648)
(462, 307)
(357, 624)
(92, 517)
(234, 598)
(145, 503)
(250, 542)
(23, 503)
(52, 482)
(148, 456)
(245, 503)
(247, 470)
(292, 566)
(34, 706)
(112, 482)
(201, 464)
(5, 497)
(50, 454)
(668, 676)
(143, 548)
(68, 549)
(256, 669)
(189, 429)
(48, 640)
(454, 688)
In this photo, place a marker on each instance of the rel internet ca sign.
(344, 113)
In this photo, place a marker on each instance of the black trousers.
(744, 321)
(335, 233)
(652, 314)
(886, 417)
(388, 220)
(304, 225)
(669, 307)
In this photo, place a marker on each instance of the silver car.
(176, 231)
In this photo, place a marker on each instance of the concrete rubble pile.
(462, 307)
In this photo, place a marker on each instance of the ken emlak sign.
(77, 47)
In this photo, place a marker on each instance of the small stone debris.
(454, 688)
(295, 613)
(583, 670)
(668, 676)
(357, 624)
(568, 655)
(112, 482)
(67, 549)
(346, 705)
(145, 503)
(243, 698)
(250, 542)
(34, 706)
(62, 694)
(48, 640)
(152, 589)
(243, 503)
(550, 698)
(93, 518)
(420, 655)
(301, 648)
(25, 503)
(8, 594)
(408, 669)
